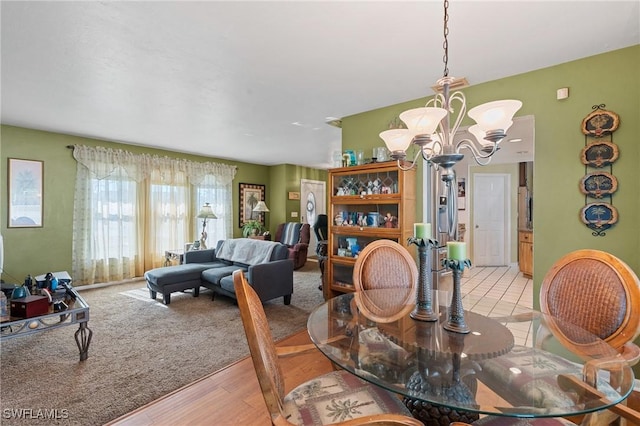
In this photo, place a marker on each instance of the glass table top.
(515, 361)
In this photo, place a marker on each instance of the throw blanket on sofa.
(246, 250)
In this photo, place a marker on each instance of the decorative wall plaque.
(599, 154)
(598, 184)
(599, 217)
(600, 122)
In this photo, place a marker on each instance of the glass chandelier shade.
(496, 115)
(423, 121)
(397, 140)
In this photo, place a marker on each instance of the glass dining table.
(515, 361)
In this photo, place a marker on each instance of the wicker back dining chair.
(385, 264)
(335, 398)
(600, 293)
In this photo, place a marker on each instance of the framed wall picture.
(25, 193)
(250, 194)
(462, 194)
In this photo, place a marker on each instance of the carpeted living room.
(135, 136)
(141, 350)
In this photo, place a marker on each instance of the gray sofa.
(266, 264)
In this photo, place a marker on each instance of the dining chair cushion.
(510, 421)
(536, 381)
(338, 396)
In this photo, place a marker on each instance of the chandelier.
(431, 129)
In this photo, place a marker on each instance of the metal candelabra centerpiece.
(456, 321)
(424, 297)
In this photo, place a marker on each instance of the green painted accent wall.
(38, 250)
(611, 78)
(286, 178)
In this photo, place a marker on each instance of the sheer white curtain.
(106, 219)
(130, 208)
(217, 191)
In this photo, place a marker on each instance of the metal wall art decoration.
(600, 153)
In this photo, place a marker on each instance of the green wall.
(286, 178)
(38, 250)
(612, 79)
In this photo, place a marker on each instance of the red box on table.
(30, 306)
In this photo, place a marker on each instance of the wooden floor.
(230, 396)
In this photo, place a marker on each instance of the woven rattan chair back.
(385, 264)
(598, 292)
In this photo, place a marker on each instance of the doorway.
(492, 232)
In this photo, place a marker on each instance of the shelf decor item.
(424, 295)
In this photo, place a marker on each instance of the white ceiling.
(256, 81)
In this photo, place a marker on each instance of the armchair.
(296, 237)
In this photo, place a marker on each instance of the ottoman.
(169, 279)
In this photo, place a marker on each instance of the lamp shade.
(261, 207)
(396, 139)
(478, 133)
(423, 121)
(495, 115)
(206, 212)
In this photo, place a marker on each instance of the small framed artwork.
(25, 193)
(294, 195)
(250, 194)
(462, 194)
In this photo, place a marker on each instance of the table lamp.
(261, 207)
(204, 214)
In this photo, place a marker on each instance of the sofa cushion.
(173, 274)
(214, 275)
(280, 252)
(227, 284)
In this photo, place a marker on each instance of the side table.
(171, 255)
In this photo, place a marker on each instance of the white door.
(490, 212)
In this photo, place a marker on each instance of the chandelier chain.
(445, 44)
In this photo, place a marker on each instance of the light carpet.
(141, 350)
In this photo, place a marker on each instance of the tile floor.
(486, 287)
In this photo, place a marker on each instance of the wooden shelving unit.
(371, 190)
